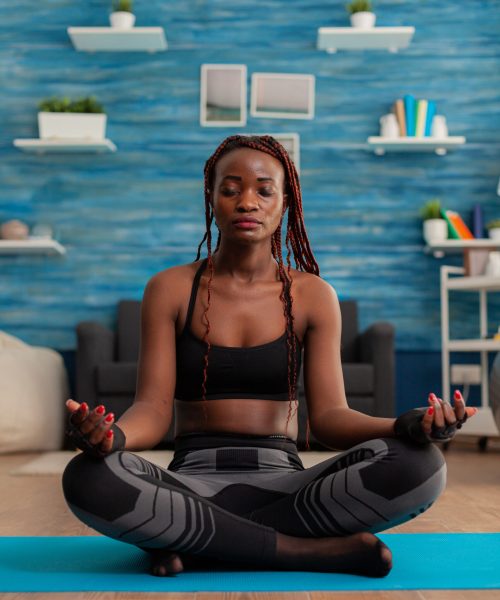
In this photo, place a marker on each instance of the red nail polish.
(109, 418)
(430, 410)
(109, 433)
(100, 409)
(84, 406)
(457, 395)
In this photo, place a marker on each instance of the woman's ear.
(285, 203)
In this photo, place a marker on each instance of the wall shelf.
(440, 146)
(45, 146)
(439, 249)
(32, 246)
(135, 39)
(392, 39)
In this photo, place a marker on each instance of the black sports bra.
(259, 372)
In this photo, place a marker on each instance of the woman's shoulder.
(312, 286)
(172, 284)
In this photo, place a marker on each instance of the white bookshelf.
(45, 146)
(439, 249)
(392, 39)
(381, 145)
(452, 278)
(113, 39)
(32, 246)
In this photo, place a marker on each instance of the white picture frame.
(291, 143)
(223, 95)
(282, 96)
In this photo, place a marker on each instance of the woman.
(225, 337)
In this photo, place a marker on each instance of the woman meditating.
(222, 342)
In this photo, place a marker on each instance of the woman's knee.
(407, 470)
(94, 486)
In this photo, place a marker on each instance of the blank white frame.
(235, 93)
(272, 91)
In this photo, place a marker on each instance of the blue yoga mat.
(97, 563)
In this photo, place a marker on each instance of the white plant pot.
(494, 233)
(435, 230)
(122, 19)
(59, 125)
(363, 20)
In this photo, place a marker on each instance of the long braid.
(297, 243)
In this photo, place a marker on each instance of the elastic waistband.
(196, 441)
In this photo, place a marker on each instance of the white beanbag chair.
(33, 390)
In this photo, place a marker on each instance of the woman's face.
(248, 194)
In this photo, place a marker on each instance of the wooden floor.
(34, 505)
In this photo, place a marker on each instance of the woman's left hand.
(441, 415)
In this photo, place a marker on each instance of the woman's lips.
(246, 224)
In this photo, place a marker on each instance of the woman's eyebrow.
(236, 178)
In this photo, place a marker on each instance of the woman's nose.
(247, 201)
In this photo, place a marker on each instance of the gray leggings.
(225, 496)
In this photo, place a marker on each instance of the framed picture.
(291, 143)
(282, 96)
(223, 95)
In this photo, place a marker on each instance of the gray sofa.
(106, 366)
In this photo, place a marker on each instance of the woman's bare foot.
(164, 562)
(359, 553)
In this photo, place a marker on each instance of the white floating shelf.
(31, 246)
(439, 249)
(135, 39)
(332, 39)
(44, 146)
(415, 144)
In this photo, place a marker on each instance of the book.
(409, 104)
(431, 111)
(457, 229)
(477, 221)
(399, 110)
(421, 116)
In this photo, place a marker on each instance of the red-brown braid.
(296, 242)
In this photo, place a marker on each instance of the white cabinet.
(452, 279)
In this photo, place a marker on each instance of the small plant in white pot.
(493, 228)
(435, 228)
(61, 118)
(361, 13)
(122, 16)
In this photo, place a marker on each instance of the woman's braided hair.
(296, 241)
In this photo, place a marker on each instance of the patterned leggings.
(226, 496)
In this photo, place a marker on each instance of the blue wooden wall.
(125, 216)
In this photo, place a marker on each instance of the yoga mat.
(97, 563)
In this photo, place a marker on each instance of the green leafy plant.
(122, 5)
(359, 6)
(431, 209)
(493, 224)
(64, 104)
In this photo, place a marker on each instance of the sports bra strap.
(194, 291)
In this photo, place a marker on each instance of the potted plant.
(361, 13)
(493, 228)
(122, 16)
(80, 119)
(435, 228)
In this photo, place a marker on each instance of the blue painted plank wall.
(124, 216)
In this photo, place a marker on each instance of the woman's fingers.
(99, 433)
(107, 442)
(93, 419)
(427, 420)
(79, 411)
(438, 410)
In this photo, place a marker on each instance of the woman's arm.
(332, 422)
(147, 421)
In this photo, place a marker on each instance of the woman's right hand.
(91, 429)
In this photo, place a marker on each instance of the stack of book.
(457, 229)
(414, 116)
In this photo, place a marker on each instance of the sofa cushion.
(116, 378)
(358, 379)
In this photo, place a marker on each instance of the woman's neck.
(246, 264)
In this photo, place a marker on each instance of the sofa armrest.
(95, 345)
(377, 348)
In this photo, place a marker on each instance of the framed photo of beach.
(282, 96)
(223, 95)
